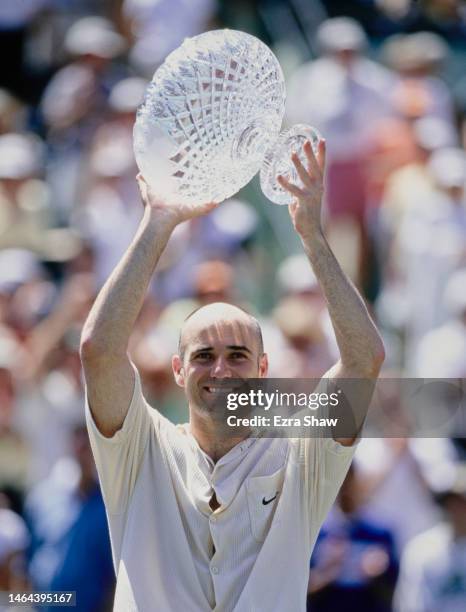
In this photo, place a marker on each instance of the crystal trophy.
(211, 119)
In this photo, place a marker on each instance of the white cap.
(430, 47)
(94, 36)
(17, 266)
(235, 218)
(111, 158)
(67, 95)
(448, 167)
(433, 133)
(14, 535)
(341, 34)
(295, 275)
(451, 479)
(127, 94)
(21, 156)
(404, 52)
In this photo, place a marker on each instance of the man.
(200, 521)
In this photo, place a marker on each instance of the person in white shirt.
(198, 520)
(433, 566)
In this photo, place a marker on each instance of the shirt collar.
(241, 448)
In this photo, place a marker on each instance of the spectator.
(408, 189)
(343, 94)
(70, 547)
(14, 540)
(433, 236)
(26, 215)
(354, 565)
(156, 29)
(390, 467)
(305, 351)
(433, 567)
(418, 59)
(74, 103)
(442, 352)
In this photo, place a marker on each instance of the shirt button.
(212, 519)
(214, 570)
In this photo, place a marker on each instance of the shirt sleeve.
(118, 459)
(325, 464)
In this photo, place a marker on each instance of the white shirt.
(401, 472)
(442, 352)
(172, 553)
(433, 573)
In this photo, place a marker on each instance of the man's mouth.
(222, 387)
(215, 389)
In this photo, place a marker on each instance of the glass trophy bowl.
(211, 118)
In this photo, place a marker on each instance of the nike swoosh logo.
(267, 501)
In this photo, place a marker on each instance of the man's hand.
(305, 211)
(173, 214)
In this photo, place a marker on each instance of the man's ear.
(263, 365)
(178, 370)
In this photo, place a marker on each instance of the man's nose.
(220, 368)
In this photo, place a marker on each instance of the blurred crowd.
(384, 82)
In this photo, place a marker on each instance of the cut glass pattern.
(211, 115)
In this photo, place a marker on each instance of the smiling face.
(218, 342)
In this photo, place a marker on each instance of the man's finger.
(321, 154)
(294, 189)
(313, 165)
(301, 170)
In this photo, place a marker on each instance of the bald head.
(218, 320)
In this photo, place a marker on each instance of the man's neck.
(212, 437)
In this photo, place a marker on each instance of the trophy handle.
(277, 160)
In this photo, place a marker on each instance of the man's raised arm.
(104, 341)
(360, 345)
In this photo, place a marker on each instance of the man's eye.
(203, 356)
(238, 355)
